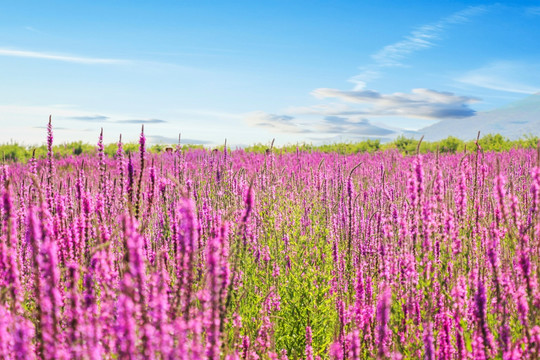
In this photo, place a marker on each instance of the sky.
(252, 71)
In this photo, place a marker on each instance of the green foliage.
(13, 152)
(302, 282)
(495, 142)
(528, 141)
(110, 149)
(406, 145)
(449, 145)
(131, 148)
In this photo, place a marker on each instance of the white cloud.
(508, 76)
(344, 125)
(423, 37)
(57, 57)
(368, 74)
(391, 55)
(275, 123)
(32, 114)
(362, 102)
(158, 139)
(76, 123)
(420, 103)
(333, 125)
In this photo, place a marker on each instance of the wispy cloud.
(343, 125)
(71, 113)
(508, 76)
(275, 123)
(58, 57)
(349, 116)
(421, 38)
(332, 125)
(158, 139)
(141, 121)
(103, 118)
(95, 118)
(58, 112)
(420, 103)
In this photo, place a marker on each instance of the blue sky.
(250, 71)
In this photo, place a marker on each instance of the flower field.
(205, 254)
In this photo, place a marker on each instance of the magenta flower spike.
(309, 344)
(383, 317)
(285, 253)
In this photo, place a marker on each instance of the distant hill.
(513, 121)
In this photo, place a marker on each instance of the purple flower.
(429, 343)
(309, 344)
(383, 317)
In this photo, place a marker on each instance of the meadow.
(271, 254)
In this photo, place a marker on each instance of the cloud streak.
(103, 118)
(343, 125)
(95, 118)
(349, 115)
(141, 121)
(158, 139)
(275, 123)
(58, 57)
(421, 38)
(508, 76)
(335, 125)
(420, 103)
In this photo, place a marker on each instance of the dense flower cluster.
(209, 254)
